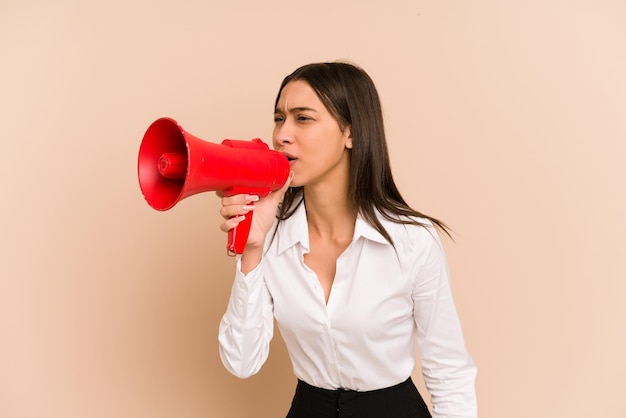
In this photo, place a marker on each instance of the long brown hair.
(351, 97)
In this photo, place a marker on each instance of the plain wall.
(506, 119)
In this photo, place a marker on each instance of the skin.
(318, 149)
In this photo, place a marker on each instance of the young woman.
(350, 272)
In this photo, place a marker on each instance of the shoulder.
(415, 239)
(409, 230)
(419, 250)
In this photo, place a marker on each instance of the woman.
(349, 271)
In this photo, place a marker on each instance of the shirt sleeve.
(449, 371)
(247, 326)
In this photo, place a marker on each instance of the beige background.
(507, 119)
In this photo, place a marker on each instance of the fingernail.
(248, 207)
(252, 198)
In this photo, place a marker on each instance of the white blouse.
(381, 299)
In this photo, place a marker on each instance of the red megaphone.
(174, 164)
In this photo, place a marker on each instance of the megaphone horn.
(174, 164)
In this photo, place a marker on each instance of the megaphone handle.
(238, 236)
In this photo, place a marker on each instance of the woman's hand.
(263, 211)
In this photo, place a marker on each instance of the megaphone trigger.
(238, 236)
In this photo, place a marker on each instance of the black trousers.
(399, 401)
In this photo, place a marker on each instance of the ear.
(347, 134)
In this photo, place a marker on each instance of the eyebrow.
(296, 109)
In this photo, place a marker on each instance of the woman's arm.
(247, 326)
(448, 369)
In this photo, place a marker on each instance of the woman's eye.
(303, 118)
(278, 119)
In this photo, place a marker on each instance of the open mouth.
(290, 158)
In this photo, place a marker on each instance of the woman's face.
(311, 138)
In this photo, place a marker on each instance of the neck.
(329, 214)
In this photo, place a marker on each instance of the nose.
(283, 134)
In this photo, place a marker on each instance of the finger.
(228, 212)
(278, 194)
(239, 199)
(288, 182)
(231, 223)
